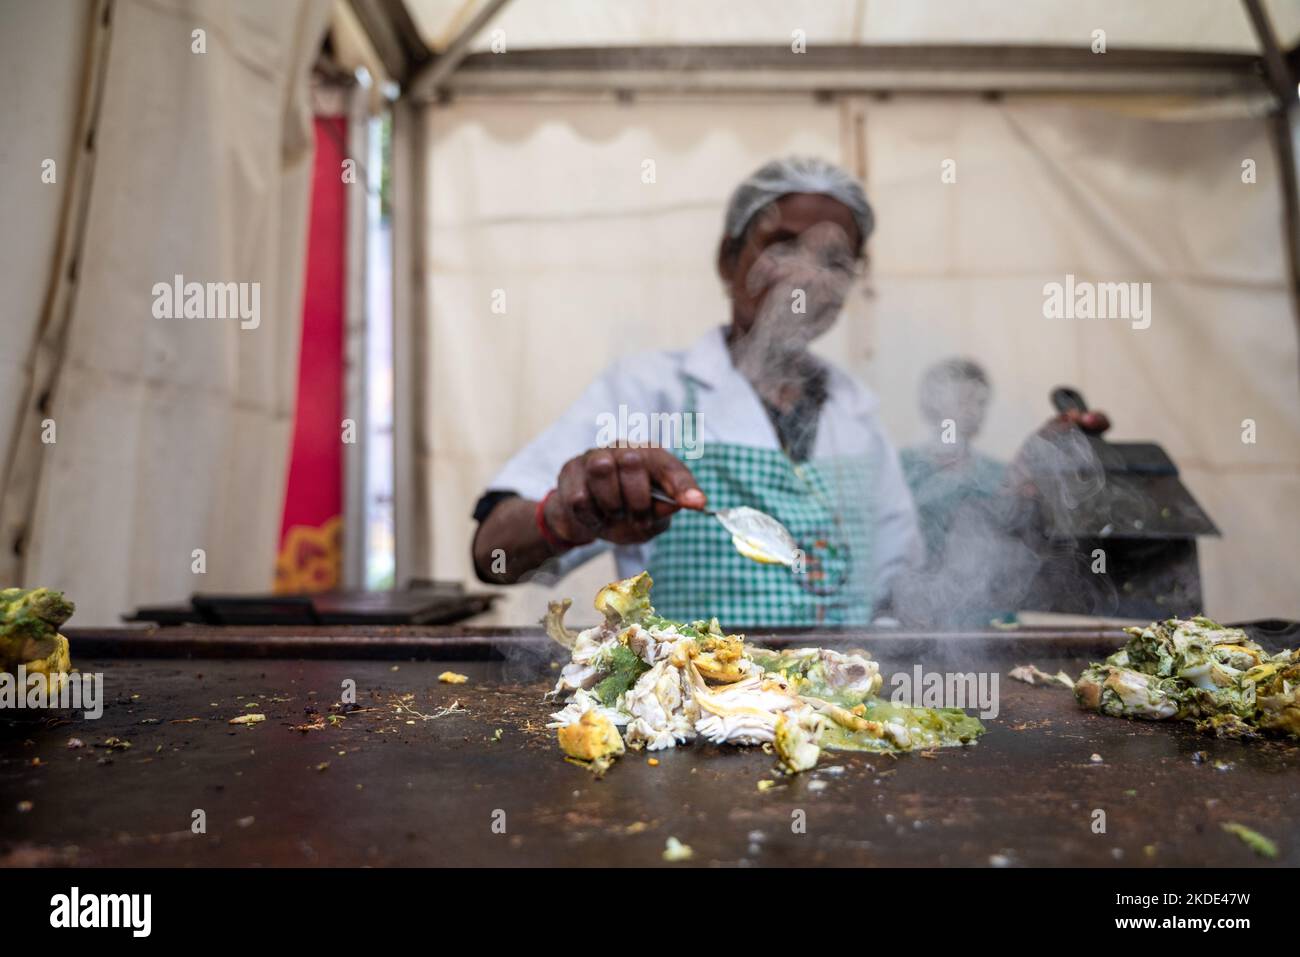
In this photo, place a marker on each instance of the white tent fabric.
(1169, 24)
(172, 434)
(42, 64)
(545, 201)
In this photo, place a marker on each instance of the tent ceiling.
(1220, 25)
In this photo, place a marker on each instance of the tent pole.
(1284, 146)
(1280, 79)
(410, 516)
(426, 81)
(393, 35)
(849, 68)
(1283, 85)
(355, 340)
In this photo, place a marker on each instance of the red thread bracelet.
(539, 517)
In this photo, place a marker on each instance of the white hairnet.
(796, 174)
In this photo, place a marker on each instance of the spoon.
(756, 535)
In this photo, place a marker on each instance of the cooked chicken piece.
(720, 673)
(51, 658)
(1226, 725)
(722, 660)
(1198, 650)
(574, 676)
(554, 622)
(742, 728)
(744, 712)
(667, 683)
(1033, 675)
(898, 734)
(1196, 669)
(592, 738)
(649, 646)
(852, 672)
(581, 703)
(796, 738)
(1277, 693)
(29, 626)
(1209, 674)
(1123, 692)
(626, 601)
(662, 709)
(822, 672)
(584, 669)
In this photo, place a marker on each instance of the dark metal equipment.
(423, 602)
(1118, 527)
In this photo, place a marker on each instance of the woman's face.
(794, 269)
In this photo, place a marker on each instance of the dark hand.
(1052, 435)
(1091, 422)
(605, 493)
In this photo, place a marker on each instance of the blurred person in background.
(946, 473)
(960, 507)
(980, 518)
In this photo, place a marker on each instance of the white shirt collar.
(707, 361)
(732, 411)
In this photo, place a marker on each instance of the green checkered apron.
(828, 506)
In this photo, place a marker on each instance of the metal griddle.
(425, 793)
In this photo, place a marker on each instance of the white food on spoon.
(758, 536)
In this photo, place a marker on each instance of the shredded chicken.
(583, 669)
(662, 709)
(582, 702)
(666, 683)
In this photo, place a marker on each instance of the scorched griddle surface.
(385, 786)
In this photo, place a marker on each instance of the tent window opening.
(380, 548)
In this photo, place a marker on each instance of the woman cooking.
(775, 428)
(778, 430)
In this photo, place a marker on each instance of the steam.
(1063, 470)
(533, 658)
(804, 284)
(1015, 539)
(530, 659)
